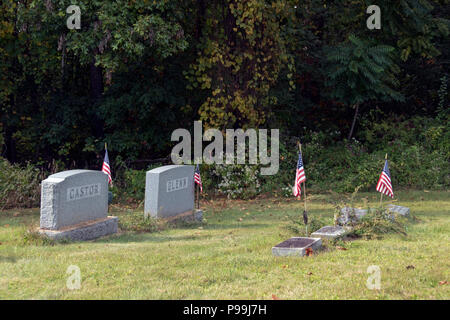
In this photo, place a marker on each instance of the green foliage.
(418, 151)
(137, 70)
(130, 185)
(136, 222)
(19, 186)
(32, 237)
(315, 222)
(362, 70)
(237, 181)
(242, 51)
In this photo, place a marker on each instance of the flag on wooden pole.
(384, 184)
(299, 176)
(105, 167)
(198, 178)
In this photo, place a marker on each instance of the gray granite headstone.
(169, 191)
(76, 199)
(330, 232)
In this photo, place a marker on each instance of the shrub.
(130, 184)
(19, 186)
(135, 221)
(315, 222)
(237, 181)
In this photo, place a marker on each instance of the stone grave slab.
(74, 205)
(169, 191)
(404, 211)
(296, 246)
(330, 232)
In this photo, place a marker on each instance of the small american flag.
(384, 184)
(198, 178)
(105, 168)
(299, 176)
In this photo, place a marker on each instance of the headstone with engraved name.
(74, 205)
(169, 191)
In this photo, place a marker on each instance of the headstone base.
(84, 231)
(330, 232)
(296, 246)
(195, 215)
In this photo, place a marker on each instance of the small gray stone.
(330, 232)
(296, 246)
(351, 215)
(169, 191)
(198, 215)
(404, 211)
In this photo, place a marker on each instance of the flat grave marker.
(296, 246)
(330, 232)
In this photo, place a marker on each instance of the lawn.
(229, 256)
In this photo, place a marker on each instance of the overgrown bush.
(379, 222)
(19, 186)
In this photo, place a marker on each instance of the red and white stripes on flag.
(299, 176)
(198, 178)
(384, 184)
(106, 168)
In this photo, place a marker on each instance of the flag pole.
(381, 197)
(106, 148)
(198, 196)
(304, 187)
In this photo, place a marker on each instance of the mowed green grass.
(226, 258)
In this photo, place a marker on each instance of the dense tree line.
(137, 70)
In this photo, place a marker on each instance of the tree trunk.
(354, 122)
(96, 76)
(10, 145)
(96, 81)
(200, 19)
